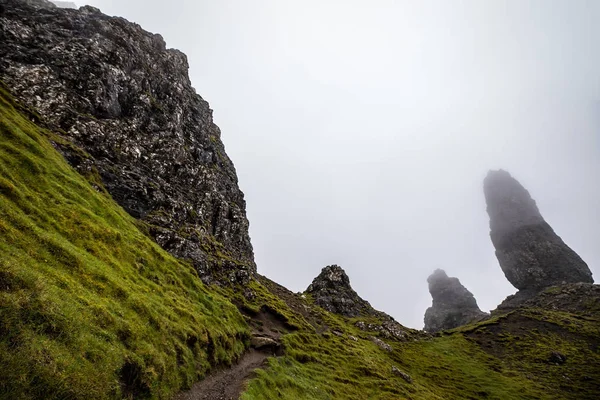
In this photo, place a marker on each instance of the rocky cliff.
(531, 255)
(114, 90)
(453, 305)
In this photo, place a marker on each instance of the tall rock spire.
(531, 255)
(453, 305)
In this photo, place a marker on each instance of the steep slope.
(90, 307)
(116, 91)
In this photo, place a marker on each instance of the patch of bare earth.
(226, 384)
(229, 383)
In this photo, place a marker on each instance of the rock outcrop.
(116, 91)
(531, 255)
(331, 290)
(39, 3)
(453, 305)
(578, 298)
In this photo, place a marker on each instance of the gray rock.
(557, 358)
(401, 374)
(39, 3)
(331, 290)
(361, 325)
(115, 91)
(381, 344)
(388, 329)
(531, 255)
(453, 305)
(263, 342)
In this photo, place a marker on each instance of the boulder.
(381, 344)
(263, 342)
(401, 374)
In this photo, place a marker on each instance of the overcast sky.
(362, 130)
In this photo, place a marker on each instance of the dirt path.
(226, 384)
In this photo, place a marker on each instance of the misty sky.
(362, 130)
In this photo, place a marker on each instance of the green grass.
(525, 339)
(450, 366)
(331, 367)
(90, 307)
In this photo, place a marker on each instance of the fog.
(361, 130)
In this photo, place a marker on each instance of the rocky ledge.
(579, 298)
(116, 92)
(453, 305)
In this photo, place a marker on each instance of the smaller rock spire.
(331, 290)
(453, 305)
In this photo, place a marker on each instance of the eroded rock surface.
(453, 305)
(331, 290)
(579, 298)
(531, 255)
(116, 91)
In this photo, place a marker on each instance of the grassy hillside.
(506, 357)
(89, 306)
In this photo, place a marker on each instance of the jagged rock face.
(38, 3)
(331, 290)
(453, 305)
(531, 255)
(117, 92)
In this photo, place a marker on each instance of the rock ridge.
(580, 298)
